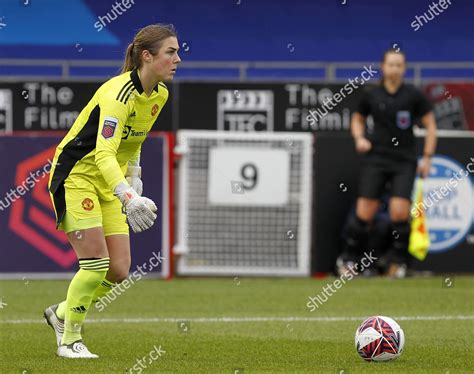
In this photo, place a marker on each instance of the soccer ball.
(379, 338)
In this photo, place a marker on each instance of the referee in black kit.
(389, 163)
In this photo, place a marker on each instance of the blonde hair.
(149, 38)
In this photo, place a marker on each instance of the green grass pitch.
(271, 329)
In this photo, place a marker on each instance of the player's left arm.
(424, 108)
(113, 116)
(134, 172)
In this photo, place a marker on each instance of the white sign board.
(6, 111)
(248, 176)
(245, 110)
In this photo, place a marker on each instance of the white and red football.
(379, 338)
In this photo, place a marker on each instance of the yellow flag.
(419, 235)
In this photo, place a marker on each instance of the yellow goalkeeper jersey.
(108, 133)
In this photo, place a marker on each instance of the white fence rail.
(324, 71)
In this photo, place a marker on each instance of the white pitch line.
(247, 319)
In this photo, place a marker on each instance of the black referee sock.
(357, 238)
(400, 236)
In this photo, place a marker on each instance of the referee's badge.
(108, 130)
(403, 119)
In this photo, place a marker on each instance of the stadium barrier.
(15, 69)
(45, 106)
(30, 245)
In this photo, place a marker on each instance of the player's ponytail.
(128, 62)
(148, 38)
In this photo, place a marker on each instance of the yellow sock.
(61, 311)
(104, 287)
(79, 295)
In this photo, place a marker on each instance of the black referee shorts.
(381, 175)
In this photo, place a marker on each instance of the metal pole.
(330, 72)
(417, 74)
(243, 72)
(65, 68)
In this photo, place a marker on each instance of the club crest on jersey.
(154, 110)
(87, 204)
(126, 132)
(110, 124)
(403, 119)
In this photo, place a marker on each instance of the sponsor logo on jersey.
(449, 202)
(138, 133)
(128, 131)
(154, 110)
(110, 124)
(87, 204)
(403, 119)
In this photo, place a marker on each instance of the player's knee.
(399, 215)
(399, 209)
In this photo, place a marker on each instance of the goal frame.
(181, 248)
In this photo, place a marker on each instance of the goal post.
(244, 203)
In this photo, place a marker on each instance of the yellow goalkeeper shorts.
(86, 205)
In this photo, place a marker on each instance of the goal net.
(244, 203)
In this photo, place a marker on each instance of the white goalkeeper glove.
(139, 210)
(133, 177)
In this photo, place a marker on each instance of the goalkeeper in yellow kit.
(95, 180)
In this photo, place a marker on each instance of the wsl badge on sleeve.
(110, 124)
(403, 119)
